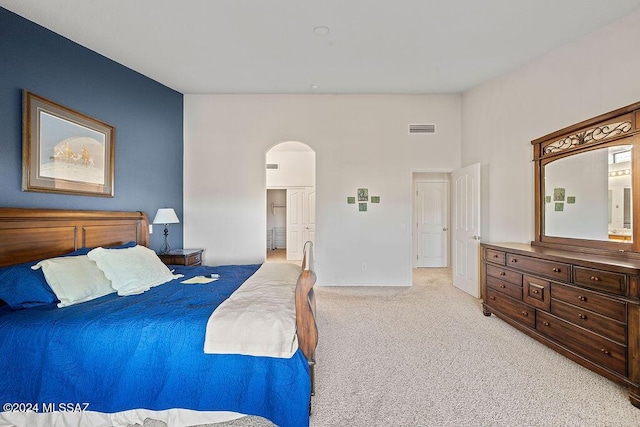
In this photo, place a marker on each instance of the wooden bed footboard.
(306, 311)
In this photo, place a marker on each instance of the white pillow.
(74, 279)
(132, 270)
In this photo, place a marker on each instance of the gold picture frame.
(64, 151)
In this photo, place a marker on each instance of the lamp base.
(164, 249)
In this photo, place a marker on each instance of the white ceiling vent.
(422, 128)
(273, 166)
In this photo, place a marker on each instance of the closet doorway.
(291, 200)
(276, 224)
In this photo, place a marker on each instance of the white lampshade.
(166, 216)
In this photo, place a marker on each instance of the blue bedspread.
(146, 351)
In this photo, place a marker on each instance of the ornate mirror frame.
(618, 127)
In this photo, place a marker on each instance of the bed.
(116, 360)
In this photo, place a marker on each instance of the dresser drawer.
(589, 345)
(514, 309)
(591, 301)
(504, 274)
(602, 280)
(195, 259)
(496, 257)
(612, 329)
(551, 269)
(182, 257)
(537, 292)
(510, 289)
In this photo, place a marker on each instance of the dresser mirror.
(588, 195)
(587, 184)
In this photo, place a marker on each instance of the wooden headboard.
(34, 234)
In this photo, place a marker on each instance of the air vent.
(422, 128)
(273, 166)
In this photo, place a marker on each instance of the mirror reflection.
(589, 195)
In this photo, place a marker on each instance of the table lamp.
(166, 216)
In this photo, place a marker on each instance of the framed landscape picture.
(64, 151)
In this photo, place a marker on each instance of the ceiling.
(372, 46)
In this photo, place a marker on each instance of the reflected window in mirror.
(620, 173)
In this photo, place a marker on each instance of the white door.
(301, 220)
(466, 229)
(432, 224)
(309, 210)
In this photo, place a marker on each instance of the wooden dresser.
(582, 305)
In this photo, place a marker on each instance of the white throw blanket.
(259, 318)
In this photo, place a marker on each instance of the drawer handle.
(492, 297)
(502, 286)
(581, 298)
(595, 278)
(605, 351)
(502, 273)
(545, 323)
(524, 313)
(535, 291)
(495, 255)
(514, 260)
(555, 270)
(582, 316)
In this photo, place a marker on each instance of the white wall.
(295, 169)
(360, 141)
(584, 176)
(594, 75)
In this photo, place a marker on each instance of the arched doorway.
(291, 200)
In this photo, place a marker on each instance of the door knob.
(445, 229)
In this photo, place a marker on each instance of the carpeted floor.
(426, 356)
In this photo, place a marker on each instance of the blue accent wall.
(147, 116)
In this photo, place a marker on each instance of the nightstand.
(182, 257)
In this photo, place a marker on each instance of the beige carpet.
(426, 356)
